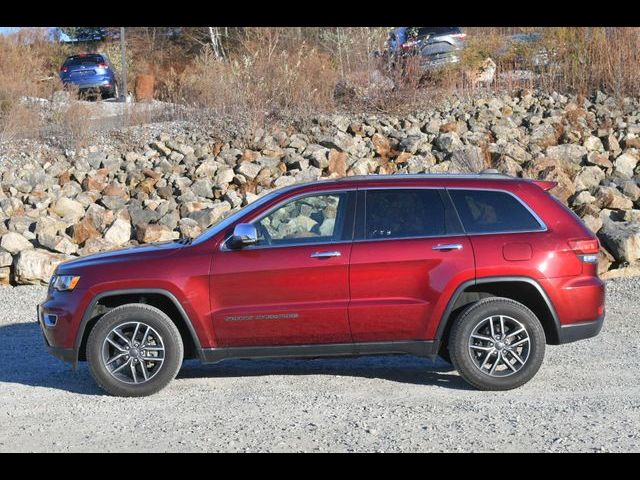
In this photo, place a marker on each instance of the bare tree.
(216, 43)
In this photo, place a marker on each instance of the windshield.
(231, 219)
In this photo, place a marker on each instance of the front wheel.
(134, 350)
(497, 344)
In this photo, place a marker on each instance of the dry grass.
(27, 69)
(260, 80)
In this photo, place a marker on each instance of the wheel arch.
(525, 290)
(157, 297)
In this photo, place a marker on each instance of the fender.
(445, 318)
(133, 291)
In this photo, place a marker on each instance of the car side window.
(310, 219)
(402, 213)
(491, 211)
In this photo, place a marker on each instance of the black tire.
(474, 316)
(147, 316)
(110, 93)
(444, 354)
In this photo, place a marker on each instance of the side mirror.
(243, 234)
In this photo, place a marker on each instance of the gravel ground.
(586, 397)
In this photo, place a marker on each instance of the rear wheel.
(110, 93)
(497, 344)
(134, 350)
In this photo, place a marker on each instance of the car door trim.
(421, 348)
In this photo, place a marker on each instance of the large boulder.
(5, 275)
(14, 243)
(589, 178)
(625, 164)
(57, 243)
(544, 135)
(35, 266)
(68, 209)
(84, 230)
(154, 233)
(468, 159)
(119, 232)
(612, 198)
(622, 239)
(208, 216)
(5, 259)
(448, 142)
(568, 152)
(249, 170)
(553, 170)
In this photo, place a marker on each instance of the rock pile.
(56, 206)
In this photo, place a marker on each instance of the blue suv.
(91, 73)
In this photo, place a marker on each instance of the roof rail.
(377, 176)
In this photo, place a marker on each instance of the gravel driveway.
(586, 397)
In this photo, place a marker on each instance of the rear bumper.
(93, 83)
(580, 331)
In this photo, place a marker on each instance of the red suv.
(483, 270)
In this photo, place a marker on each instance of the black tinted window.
(84, 60)
(485, 211)
(404, 213)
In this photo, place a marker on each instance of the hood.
(156, 250)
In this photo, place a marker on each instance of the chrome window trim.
(223, 245)
(544, 228)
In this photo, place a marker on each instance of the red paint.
(517, 252)
(375, 291)
(397, 284)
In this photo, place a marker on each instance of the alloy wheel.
(133, 352)
(499, 346)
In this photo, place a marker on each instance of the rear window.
(490, 211)
(404, 213)
(84, 60)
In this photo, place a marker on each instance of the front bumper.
(68, 355)
(580, 331)
(60, 337)
(65, 354)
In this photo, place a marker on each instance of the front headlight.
(64, 282)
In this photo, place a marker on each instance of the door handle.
(325, 254)
(448, 246)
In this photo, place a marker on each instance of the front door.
(408, 251)
(291, 288)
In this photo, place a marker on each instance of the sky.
(10, 30)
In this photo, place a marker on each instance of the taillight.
(461, 36)
(64, 70)
(103, 65)
(586, 249)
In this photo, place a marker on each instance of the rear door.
(409, 251)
